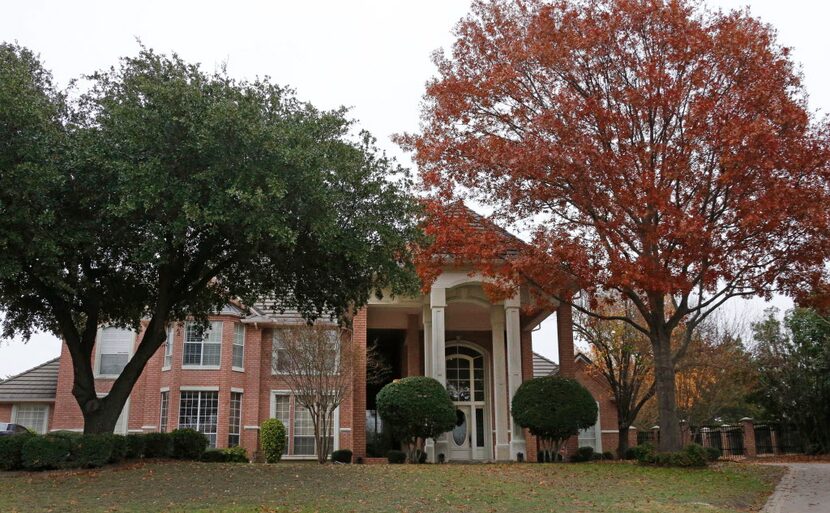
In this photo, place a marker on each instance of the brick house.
(225, 382)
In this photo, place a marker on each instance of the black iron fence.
(768, 438)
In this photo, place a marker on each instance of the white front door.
(461, 436)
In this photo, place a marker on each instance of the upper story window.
(168, 350)
(280, 363)
(202, 347)
(114, 348)
(312, 356)
(239, 346)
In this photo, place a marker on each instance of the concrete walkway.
(804, 489)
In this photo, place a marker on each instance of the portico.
(479, 349)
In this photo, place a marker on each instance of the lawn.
(308, 487)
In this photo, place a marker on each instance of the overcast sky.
(372, 56)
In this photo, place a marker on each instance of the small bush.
(608, 455)
(119, 448)
(342, 456)
(188, 444)
(158, 445)
(712, 453)
(697, 455)
(644, 453)
(92, 451)
(45, 452)
(11, 448)
(135, 446)
(422, 457)
(396, 457)
(236, 455)
(583, 454)
(272, 440)
(213, 456)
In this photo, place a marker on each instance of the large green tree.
(162, 192)
(794, 367)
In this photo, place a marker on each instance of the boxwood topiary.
(272, 439)
(396, 457)
(135, 446)
(188, 444)
(45, 452)
(342, 456)
(158, 445)
(11, 448)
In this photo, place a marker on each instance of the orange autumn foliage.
(655, 149)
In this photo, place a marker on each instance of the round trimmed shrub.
(158, 445)
(11, 448)
(341, 456)
(416, 408)
(236, 455)
(188, 444)
(135, 446)
(396, 457)
(583, 454)
(554, 409)
(92, 451)
(45, 452)
(272, 439)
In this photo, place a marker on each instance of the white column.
(427, 318)
(429, 447)
(514, 371)
(500, 384)
(438, 303)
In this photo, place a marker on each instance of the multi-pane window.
(165, 408)
(592, 436)
(298, 425)
(238, 346)
(202, 347)
(235, 419)
(280, 363)
(168, 349)
(303, 431)
(199, 410)
(33, 416)
(114, 346)
(282, 412)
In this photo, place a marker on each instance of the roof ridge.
(36, 367)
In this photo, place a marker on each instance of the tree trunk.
(666, 398)
(622, 441)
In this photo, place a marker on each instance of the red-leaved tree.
(658, 150)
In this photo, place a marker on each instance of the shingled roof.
(543, 367)
(37, 384)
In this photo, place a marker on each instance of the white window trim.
(238, 390)
(164, 389)
(45, 427)
(198, 389)
(96, 368)
(199, 409)
(597, 433)
(234, 344)
(203, 367)
(275, 372)
(289, 430)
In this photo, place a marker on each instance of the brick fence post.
(750, 449)
(724, 440)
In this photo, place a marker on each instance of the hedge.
(188, 444)
(45, 452)
(229, 455)
(135, 446)
(91, 451)
(158, 445)
(396, 457)
(342, 456)
(119, 448)
(11, 448)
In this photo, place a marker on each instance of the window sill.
(200, 367)
(106, 376)
(238, 369)
(165, 369)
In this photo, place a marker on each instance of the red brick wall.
(357, 405)
(6, 412)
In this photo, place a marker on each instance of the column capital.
(497, 317)
(438, 297)
(512, 302)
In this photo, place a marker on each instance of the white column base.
(516, 447)
(503, 452)
(442, 446)
(429, 447)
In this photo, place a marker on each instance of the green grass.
(308, 487)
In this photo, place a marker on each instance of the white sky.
(373, 56)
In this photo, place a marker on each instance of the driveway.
(804, 489)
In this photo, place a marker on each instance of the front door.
(461, 436)
(465, 383)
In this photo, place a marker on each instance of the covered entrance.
(467, 386)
